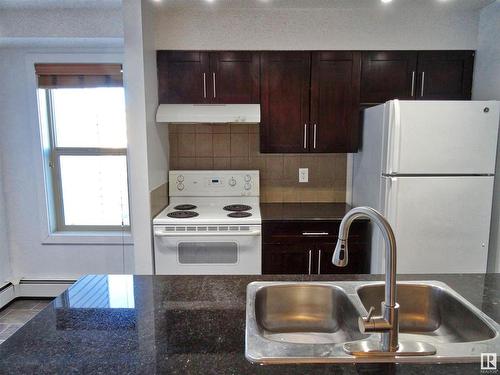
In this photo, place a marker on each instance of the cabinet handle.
(204, 85)
(315, 233)
(423, 84)
(305, 136)
(314, 136)
(215, 92)
(412, 83)
(310, 261)
(319, 262)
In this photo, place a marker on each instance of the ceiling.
(333, 4)
(224, 4)
(59, 4)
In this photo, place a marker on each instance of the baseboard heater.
(33, 288)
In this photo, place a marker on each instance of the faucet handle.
(370, 313)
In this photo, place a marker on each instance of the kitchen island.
(184, 325)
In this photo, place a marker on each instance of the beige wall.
(236, 146)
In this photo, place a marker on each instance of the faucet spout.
(387, 322)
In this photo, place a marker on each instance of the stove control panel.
(214, 183)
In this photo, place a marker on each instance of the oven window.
(208, 252)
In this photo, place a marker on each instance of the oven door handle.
(160, 233)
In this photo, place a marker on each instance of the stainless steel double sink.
(290, 322)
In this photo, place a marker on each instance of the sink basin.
(430, 311)
(290, 322)
(306, 314)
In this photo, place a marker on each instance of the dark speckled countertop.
(303, 211)
(182, 325)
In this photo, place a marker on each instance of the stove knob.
(232, 182)
(248, 186)
(180, 186)
(180, 178)
(248, 178)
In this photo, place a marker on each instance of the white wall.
(5, 270)
(57, 23)
(383, 27)
(148, 160)
(22, 180)
(487, 87)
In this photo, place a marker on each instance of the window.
(82, 110)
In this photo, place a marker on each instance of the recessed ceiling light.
(386, 1)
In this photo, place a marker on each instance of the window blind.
(52, 76)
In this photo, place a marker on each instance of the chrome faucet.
(387, 323)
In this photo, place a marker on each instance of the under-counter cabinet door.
(234, 77)
(358, 259)
(335, 79)
(387, 75)
(285, 78)
(294, 259)
(445, 75)
(183, 77)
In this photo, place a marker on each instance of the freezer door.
(441, 137)
(441, 224)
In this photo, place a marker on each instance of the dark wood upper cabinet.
(387, 75)
(196, 77)
(335, 80)
(235, 77)
(445, 75)
(182, 77)
(284, 100)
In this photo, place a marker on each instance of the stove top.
(211, 211)
(184, 207)
(212, 197)
(182, 214)
(239, 214)
(237, 207)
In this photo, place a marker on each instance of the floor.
(17, 314)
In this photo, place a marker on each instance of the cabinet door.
(183, 77)
(295, 259)
(358, 259)
(285, 79)
(445, 75)
(335, 78)
(387, 75)
(234, 77)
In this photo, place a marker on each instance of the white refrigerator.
(428, 167)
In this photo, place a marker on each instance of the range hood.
(208, 113)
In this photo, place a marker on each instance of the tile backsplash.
(236, 146)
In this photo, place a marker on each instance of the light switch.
(303, 174)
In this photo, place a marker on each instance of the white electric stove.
(212, 225)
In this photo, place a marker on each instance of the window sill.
(89, 238)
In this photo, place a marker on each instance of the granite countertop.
(303, 211)
(183, 325)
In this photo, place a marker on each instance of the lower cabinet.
(307, 248)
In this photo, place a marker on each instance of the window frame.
(56, 180)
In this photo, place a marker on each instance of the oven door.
(193, 252)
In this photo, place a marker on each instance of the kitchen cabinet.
(284, 100)
(183, 77)
(309, 101)
(387, 75)
(306, 247)
(415, 75)
(334, 113)
(235, 77)
(445, 75)
(198, 77)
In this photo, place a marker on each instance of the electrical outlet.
(303, 174)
